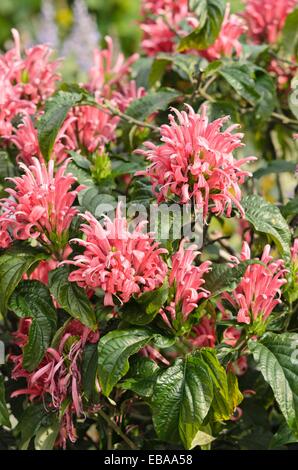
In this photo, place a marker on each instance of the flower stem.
(111, 423)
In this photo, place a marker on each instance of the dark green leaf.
(185, 65)
(89, 369)
(241, 77)
(13, 264)
(223, 278)
(266, 218)
(151, 103)
(283, 436)
(32, 299)
(276, 356)
(182, 396)
(71, 297)
(30, 423)
(211, 15)
(114, 350)
(95, 201)
(265, 87)
(142, 376)
(51, 121)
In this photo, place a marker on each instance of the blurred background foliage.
(116, 17)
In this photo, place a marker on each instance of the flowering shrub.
(148, 247)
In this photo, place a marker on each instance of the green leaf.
(89, 369)
(92, 199)
(265, 87)
(143, 373)
(46, 435)
(193, 437)
(151, 103)
(13, 265)
(283, 436)
(211, 15)
(71, 297)
(185, 65)
(241, 77)
(32, 299)
(226, 392)
(276, 166)
(291, 208)
(266, 218)
(276, 357)
(4, 413)
(290, 34)
(182, 396)
(152, 301)
(30, 423)
(115, 349)
(51, 121)
(223, 278)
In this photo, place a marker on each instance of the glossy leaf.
(267, 218)
(276, 357)
(71, 297)
(32, 299)
(210, 14)
(14, 263)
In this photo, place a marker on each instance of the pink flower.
(128, 92)
(188, 281)
(40, 205)
(195, 161)
(239, 367)
(108, 69)
(266, 18)
(203, 334)
(25, 82)
(117, 261)
(58, 377)
(283, 72)
(92, 129)
(259, 291)
(228, 40)
(34, 77)
(162, 31)
(231, 336)
(294, 253)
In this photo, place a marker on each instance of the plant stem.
(108, 108)
(285, 119)
(117, 430)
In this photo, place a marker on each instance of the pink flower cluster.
(117, 261)
(92, 128)
(187, 281)
(195, 161)
(25, 83)
(259, 291)
(40, 205)
(58, 377)
(266, 18)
